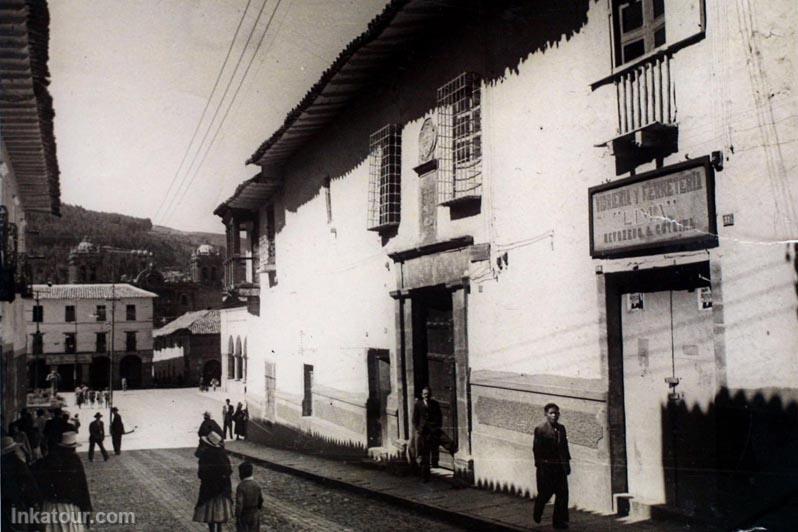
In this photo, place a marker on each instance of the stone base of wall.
(506, 409)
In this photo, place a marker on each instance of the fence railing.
(646, 94)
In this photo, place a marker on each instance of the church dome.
(205, 249)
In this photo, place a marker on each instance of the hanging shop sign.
(669, 209)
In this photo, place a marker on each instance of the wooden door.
(379, 371)
(669, 337)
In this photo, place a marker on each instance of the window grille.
(385, 153)
(460, 138)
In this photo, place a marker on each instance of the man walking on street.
(227, 418)
(96, 437)
(117, 430)
(552, 467)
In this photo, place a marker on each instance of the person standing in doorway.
(96, 437)
(118, 430)
(552, 467)
(227, 418)
(427, 421)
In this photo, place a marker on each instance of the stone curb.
(462, 519)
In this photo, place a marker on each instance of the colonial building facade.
(88, 333)
(586, 203)
(186, 350)
(29, 178)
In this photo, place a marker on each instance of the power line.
(230, 104)
(205, 110)
(171, 205)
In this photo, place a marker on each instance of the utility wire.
(230, 104)
(205, 110)
(171, 204)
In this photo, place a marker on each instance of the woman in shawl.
(215, 502)
(63, 485)
(240, 418)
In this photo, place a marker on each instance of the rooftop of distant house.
(89, 291)
(197, 322)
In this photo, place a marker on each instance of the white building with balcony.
(587, 203)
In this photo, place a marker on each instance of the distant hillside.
(53, 238)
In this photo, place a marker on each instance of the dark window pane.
(633, 50)
(631, 16)
(659, 8)
(659, 37)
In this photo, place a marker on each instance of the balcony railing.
(241, 271)
(646, 94)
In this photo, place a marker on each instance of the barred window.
(385, 153)
(460, 139)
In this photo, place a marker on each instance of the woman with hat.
(241, 417)
(19, 489)
(214, 504)
(63, 484)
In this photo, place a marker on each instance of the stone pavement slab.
(467, 506)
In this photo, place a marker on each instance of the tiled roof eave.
(26, 107)
(400, 22)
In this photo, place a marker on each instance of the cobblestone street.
(156, 475)
(160, 486)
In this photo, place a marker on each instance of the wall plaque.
(668, 209)
(427, 139)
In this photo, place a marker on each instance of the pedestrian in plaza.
(63, 484)
(19, 436)
(249, 500)
(429, 435)
(552, 467)
(92, 396)
(227, 418)
(19, 489)
(53, 428)
(241, 418)
(39, 423)
(96, 437)
(107, 397)
(118, 430)
(214, 503)
(207, 426)
(124, 384)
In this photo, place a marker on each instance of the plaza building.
(29, 178)
(89, 333)
(186, 351)
(518, 203)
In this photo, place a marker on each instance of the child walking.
(249, 500)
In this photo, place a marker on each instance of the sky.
(130, 80)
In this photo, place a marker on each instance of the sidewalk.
(466, 506)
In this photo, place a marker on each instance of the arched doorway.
(130, 369)
(212, 370)
(98, 372)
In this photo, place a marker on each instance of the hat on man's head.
(98, 415)
(9, 444)
(69, 439)
(214, 439)
(206, 414)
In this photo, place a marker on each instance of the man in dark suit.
(96, 437)
(227, 418)
(552, 466)
(427, 421)
(118, 430)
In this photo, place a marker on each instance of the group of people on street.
(97, 434)
(89, 397)
(549, 447)
(41, 470)
(215, 503)
(238, 418)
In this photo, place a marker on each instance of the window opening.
(385, 151)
